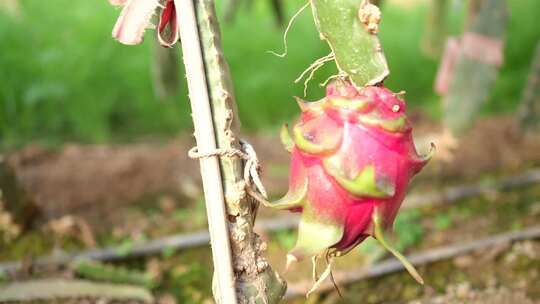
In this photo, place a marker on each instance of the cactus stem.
(350, 29)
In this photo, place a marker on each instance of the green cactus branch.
(350, 28)
(254, 279)
(474, 74)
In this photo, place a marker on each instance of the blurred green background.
(63, 78)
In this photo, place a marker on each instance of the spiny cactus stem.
(229, 202)
(476, 71)
(350, 28)
(206, 141)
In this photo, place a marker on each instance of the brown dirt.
(493, 145)
(81, 179)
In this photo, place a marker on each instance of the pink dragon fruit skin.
(353, 157)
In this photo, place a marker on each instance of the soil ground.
(114, 195)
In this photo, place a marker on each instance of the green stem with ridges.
(256, 281)
(473, 80)
(473, 10)
(358, 52)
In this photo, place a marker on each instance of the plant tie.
(252, 167)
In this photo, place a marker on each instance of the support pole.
(242, 275)
(206, 142)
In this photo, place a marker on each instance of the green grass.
(62, 77)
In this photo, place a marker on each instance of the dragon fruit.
(353, 157)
